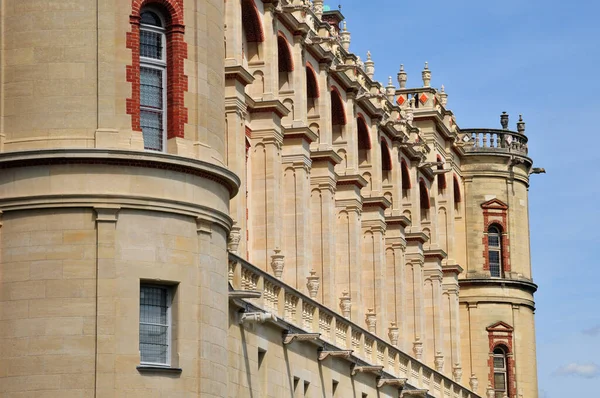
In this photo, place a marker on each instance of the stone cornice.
(403, 221)
(435, 253)
(418, 237)
(517, 284)
(299, 132)
(239, 73)
(377, 201)
(452, 269)
(261, 106)
(352, 179)
(326, 156)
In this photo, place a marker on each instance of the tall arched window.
(285, 63)
(405, 178)
(495, 251)
(386, 163)
(338, 115)
(312, 91)
(424, 200)
(500, 372)
(153, 77)
(364, 141)
(252, 31)
(457, 196)
(441, 178)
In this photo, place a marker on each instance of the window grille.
(500, 373)
(495, 251)
(155, 324)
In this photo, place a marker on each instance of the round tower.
(496, 289)
(114, 199)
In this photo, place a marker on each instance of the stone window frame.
(500, 335)
(169, 291)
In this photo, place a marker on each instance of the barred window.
(495, 251)
(153, 67)
(155, 324)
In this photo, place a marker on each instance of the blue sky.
(538, 58)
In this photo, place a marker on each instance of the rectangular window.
(152, 107)
(155, 324)
(494, 257)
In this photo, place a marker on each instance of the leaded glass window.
(500, 373)
(153, 67)
(155, 324)
(495, 251)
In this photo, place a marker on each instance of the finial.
(368, 55)
(369, 66)
(521, 125)
(345, 37)
(344, 28)
(504, 120)
(443, 96)
(390, 90)
(390, 83)
(426, 75)
(402, 77)
(443, 89)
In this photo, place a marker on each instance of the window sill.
(158, 369)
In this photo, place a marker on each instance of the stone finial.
(318, 8)
(418, 348)
(473, 382)
(312, 284)
(345, 304)
(369, 66)
(426, 75)
(234, 239)
(360, 63)
(402, 77)
(443, 96)
(521, 125)
(504, 120)
(457, 373)
(390, 90)
(277, 263)
(393, 334)
(345, 37)
(371, 320)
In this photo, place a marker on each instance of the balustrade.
(285, 301)
(477, 140)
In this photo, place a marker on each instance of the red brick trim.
(312, 80)
(424, 195)
(496, 212)
(364, 139)
(338, 111)
(251, 22)
(406, 184)
(177, 81)
(501, 334)
(284, 54)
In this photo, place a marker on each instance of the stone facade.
(320, 234)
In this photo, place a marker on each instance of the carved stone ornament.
(426, 75)
(345, 37)
(369, 66)
(443, 96)
(345, 304)
(277, 263)
(393, 334)
(234, 239)
(312, 284)
(439, 362)
(473, 383)
(490, 393)
(418, 348)
(371, 320)
(457, 373)
(504, 120)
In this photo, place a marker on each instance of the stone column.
(325, 134)
(106, 301)
(299, 82)
(233, 33)
(270, 67)
(455, 332)
(419, 307)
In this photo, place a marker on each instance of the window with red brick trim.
(158, 52)
(496, 241)
(312, 90)
(364, 141)
(252, 31)
(406, 185)
(338, 115)
(386, 163)
(501, 361)
(285, 62)
(424, 199)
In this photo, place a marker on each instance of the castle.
(215, 198)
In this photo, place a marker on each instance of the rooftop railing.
(338, 332)
(494, 140)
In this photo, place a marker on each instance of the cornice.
(403, 221)
(352, 179)
(239, 73)
(517, 284)
(300, 132)
(263, 106)
(377, 201)
(326, 156)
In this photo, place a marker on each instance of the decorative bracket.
(337, 354)
(367, 369)
(290, 337)
(260, 317)
(244, 294)
(391, 382)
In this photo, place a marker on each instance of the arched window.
(338, 115)
(364, 141)
(312, 91)
(252, 31)
(424, 200)
(494, 238)
(500, 372)
(457, 196)
(405, 178)
(386, 163)
(153, 79)
(441, 178)
(285, 62)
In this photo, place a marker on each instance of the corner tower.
(496, 289)
(114, 198)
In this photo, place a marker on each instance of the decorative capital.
(371, 320)
(457, 373)
(234, 239)
(418, 348)
(345, 304)
(473, 383)
(439, 362)
(393, 334)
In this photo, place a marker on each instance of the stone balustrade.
(297, 309)
(484, 140)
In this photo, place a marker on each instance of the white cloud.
(586, 370)
(594, 331)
